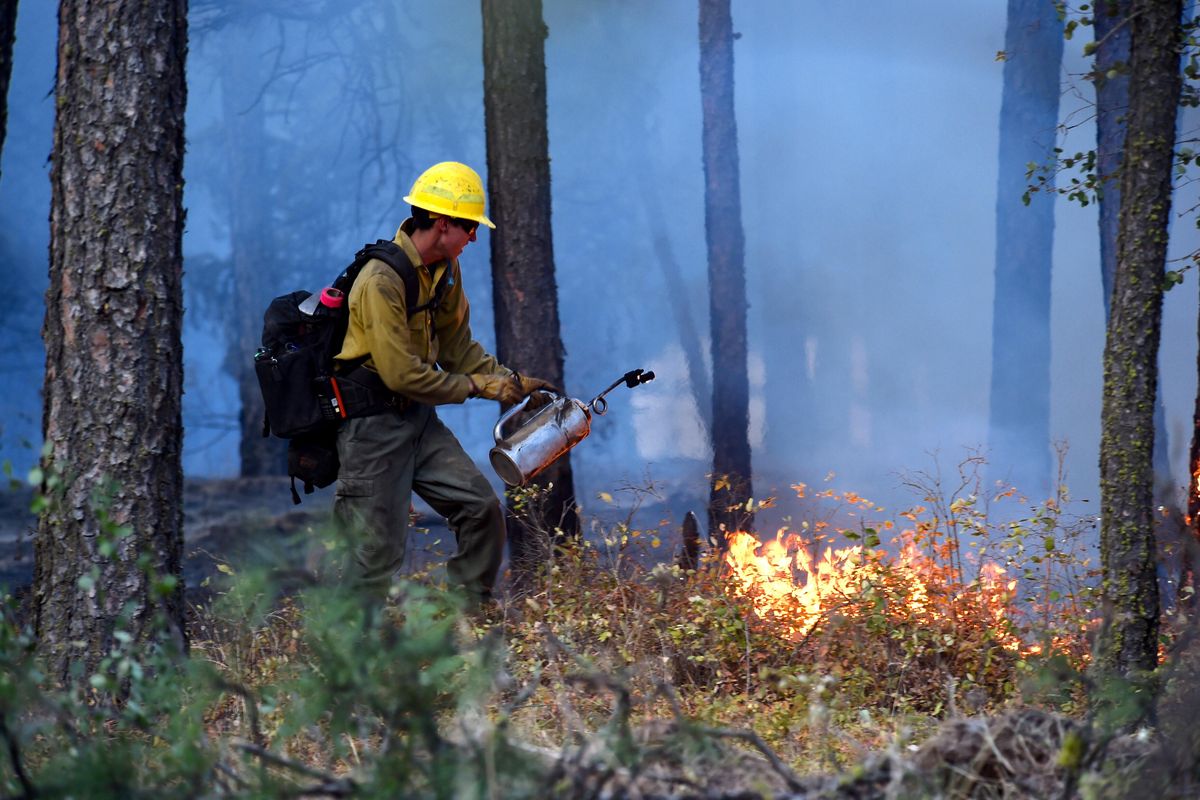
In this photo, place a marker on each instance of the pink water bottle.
(332, 298)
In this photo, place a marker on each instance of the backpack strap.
(394, 256)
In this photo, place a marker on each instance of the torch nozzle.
(636, 377)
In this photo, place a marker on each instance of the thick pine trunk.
(1129, 639)
(1019, 424)
(731, 487)
(524, 288)
(8, 35)
(114, 367)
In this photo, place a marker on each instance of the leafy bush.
(614, 666)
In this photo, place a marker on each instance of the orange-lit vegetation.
(853, 629)
(847, 615)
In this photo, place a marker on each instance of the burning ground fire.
(796, 584)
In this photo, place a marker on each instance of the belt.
(365, 394)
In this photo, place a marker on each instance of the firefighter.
(419, 361)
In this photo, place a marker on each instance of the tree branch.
(14, 756)
(330, 785)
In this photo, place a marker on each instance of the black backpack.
(304, 401)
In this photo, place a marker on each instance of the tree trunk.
(1190, 556)
(1019, 424)
(731, 478)
(1112, 104)
(524, 289)
(8, 35)
(1129, 637)
(108, 547)
(250, 233)
(689, 336)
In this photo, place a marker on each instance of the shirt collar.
(405, 242)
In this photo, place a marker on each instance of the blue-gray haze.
(868, 143)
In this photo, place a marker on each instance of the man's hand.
(496, 387)
(511, 389)
(531, 385)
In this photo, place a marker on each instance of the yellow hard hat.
(452, 189)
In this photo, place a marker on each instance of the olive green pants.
(384, 459)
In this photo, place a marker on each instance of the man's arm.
(378, 311)
(457, 349)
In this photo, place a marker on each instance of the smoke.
(868, 140)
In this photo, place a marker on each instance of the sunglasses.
(468, 225)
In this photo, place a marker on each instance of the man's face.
(457, 235)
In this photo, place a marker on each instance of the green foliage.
(332, 680)
(322, 690)
(1086, 186)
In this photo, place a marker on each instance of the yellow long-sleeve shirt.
(407, 351)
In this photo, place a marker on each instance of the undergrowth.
(617, 671)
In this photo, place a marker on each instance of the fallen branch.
(329, 786)
(14, 756)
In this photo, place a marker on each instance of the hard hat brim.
(480, 218)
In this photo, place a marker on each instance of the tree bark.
(1190, 556)
(524, 288)
(1129, 637)
(108, 547)
(8, 35)
(1019, 424)
(1112, 104)
(731, 476)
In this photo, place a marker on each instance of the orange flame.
(794, 588)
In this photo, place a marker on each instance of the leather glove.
(511, 389)
(496, 387)
(531, 385)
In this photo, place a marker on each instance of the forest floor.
(610, 664)
(235, 521)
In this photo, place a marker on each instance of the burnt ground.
(234, 521)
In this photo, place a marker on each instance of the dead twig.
(330, 785)
(667, 692)
(14, 757)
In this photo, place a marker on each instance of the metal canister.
(553, 430)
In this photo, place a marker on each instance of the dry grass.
(620, 674)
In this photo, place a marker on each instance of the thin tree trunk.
(8, 35)
(1112, 104)
(108, 547)
(689, 337)
(1019, 424)
(250, 234)
(524, 288)
(1129, 637)
(1190, 557)
(731, 479)
(1112, 30)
